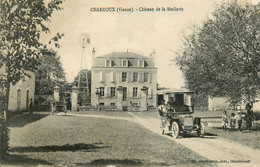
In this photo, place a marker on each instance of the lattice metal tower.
(84, 76)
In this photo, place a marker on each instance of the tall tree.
(222, 57)
(49, 73)
(22, 22)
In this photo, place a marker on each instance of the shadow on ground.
(67, 147)
(114, 162)
(193, 135)
(22, 120)
(13, 160)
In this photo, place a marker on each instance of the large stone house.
(120, 78)
(21, 93)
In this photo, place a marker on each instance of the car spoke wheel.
(175, 130)
(201, 130)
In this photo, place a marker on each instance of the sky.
(138, 31)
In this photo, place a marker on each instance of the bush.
(4, 138)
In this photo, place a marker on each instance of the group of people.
(235, 121)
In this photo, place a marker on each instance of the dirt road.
(224, 152)
(221, 151)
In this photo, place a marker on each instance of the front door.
(124, 93)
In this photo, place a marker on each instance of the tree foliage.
(49, 73)
(22, 22)
(222, 57)
(21, 25)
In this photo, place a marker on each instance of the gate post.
(119, 98)
(74, 98)
(56, 93)
(96, 102)
(144, 91)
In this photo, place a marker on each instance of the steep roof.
(123, 55)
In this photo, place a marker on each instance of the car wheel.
(201, 130)
(175, 130)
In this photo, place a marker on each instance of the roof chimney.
(152, 55)
(93, 55)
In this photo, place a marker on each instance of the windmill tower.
(84, 75)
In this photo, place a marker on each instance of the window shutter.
(151, 93)
(111, 76)
(131, 92)
(114, 76)
(108, 91)
(151, 78)
(141, 77)
(120, 76)
(129, 77)
(104, 76)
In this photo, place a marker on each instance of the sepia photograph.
(146, 83)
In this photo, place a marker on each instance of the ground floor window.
(135, 104)
(112, 104)
(101, 104)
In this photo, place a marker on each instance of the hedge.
(4, 138)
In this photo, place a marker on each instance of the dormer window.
(124, 63)
(141, 63)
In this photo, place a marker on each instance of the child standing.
(239, 120)
(233, 121)
(163, 113)
(224, 120)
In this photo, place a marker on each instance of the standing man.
(239, 120)
(31, 107)
(249, 116)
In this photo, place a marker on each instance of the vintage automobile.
(180, 119)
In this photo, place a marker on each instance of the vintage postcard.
(130, 83)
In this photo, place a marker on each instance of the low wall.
(218, 103)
